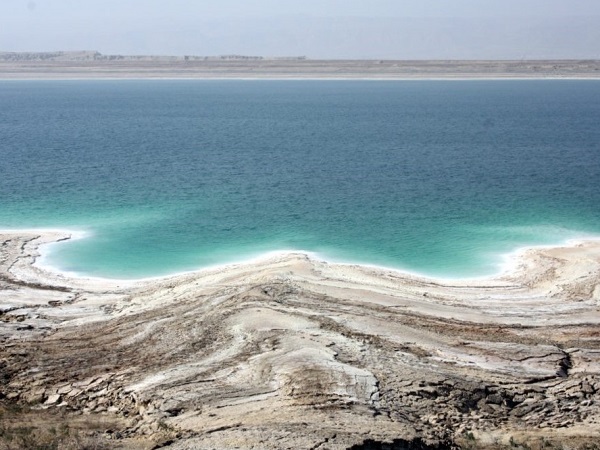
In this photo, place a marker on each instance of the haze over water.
(438, 177)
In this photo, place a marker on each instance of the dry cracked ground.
(294, 353)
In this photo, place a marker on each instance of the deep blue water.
(439, 177)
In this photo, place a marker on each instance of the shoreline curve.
(507, 261)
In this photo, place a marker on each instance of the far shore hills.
(92, 64)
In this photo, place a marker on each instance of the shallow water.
(438, 177)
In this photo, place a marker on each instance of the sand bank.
(293, 352)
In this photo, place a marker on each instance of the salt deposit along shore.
(293, 352)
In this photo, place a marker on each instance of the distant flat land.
(66, 65)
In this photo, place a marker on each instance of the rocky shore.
(292, 352)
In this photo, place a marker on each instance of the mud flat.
(292, 352)
(64, 65)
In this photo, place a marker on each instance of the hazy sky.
(414, 29)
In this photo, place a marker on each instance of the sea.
(440, 178)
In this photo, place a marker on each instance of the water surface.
(438, 177)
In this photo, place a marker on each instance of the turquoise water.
(437, 177)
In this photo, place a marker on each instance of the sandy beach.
(293, 352)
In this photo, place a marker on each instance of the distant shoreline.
(283, 69)
(136, 78)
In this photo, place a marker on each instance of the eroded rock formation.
(290, 352)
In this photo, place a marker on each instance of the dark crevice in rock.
(564, 365)
(403, 444)
(540, 379)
